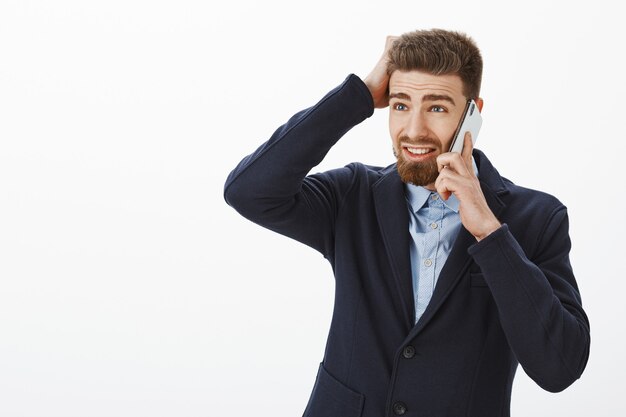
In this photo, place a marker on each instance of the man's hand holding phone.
(456, 175)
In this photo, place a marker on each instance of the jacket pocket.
(477, 279)
(331, 398)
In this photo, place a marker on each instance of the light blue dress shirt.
(434, 225)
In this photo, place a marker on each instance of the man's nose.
(417, 127)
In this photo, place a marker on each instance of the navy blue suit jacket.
(510, 298)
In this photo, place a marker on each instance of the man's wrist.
(488, 229)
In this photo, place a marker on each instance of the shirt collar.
(417, 195)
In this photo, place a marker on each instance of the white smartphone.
(470, 122)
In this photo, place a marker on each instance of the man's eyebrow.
(402, 96)
(427, 97)
(438, 97)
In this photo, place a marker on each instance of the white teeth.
(418, 151)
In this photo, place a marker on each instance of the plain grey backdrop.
(129, 288)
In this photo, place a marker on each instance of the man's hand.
(456, 175)
(377, 81)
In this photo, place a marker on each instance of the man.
(447, 274)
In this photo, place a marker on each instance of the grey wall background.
(129, 288)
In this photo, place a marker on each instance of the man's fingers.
(468, 147)
(377, 80)
(452, 160)
(390, 40)
(444, 184)
(461, 163)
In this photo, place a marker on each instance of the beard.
(417, 173)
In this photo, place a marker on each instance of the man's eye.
(399, 106)
(437, 109)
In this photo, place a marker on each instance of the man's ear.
(479, 102)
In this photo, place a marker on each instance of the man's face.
(424, 111)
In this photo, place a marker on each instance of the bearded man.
(447, 275)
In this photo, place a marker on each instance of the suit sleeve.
(538, 302)
(271, 186)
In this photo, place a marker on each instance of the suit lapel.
(459, 260)
(393, 219)
(454, 268)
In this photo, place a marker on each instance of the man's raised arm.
(271, 186)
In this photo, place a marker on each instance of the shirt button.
(435, 197)
(434, 225)
(399, 408)
(428, 262)
(408, 352)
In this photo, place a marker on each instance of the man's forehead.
(420, 83)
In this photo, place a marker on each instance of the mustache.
(426, 140)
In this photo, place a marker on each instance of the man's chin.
(417, 173)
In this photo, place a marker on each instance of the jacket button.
(399, 408)
(408, 352)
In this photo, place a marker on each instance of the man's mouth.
(418, 153)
